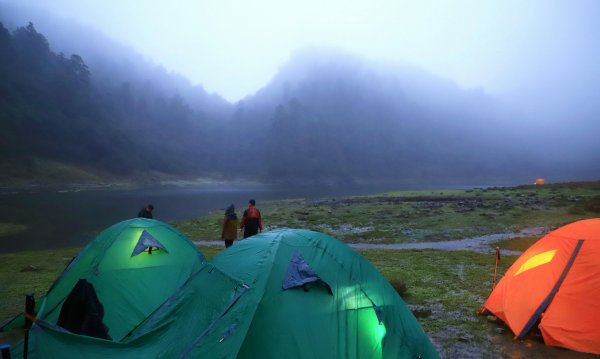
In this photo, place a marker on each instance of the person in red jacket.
(251, 221)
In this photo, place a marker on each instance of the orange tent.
(555, 284)
(539, 181)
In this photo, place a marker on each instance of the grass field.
(444, 289)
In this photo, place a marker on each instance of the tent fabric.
(555, 283)
(315, 324)
(235, 307)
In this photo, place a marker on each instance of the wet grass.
(417, 216)
(28, 272)
(444, 290)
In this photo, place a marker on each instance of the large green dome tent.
(281, 294)
(312, 296)
(134, 266)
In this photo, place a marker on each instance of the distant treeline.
(51, 106)
(336, 121)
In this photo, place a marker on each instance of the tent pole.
(29, 317)
(496, 267)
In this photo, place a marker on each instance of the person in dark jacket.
(230, 222)
(146, 212)
(251, 220)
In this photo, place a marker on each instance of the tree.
(79, 70)
(33, 48)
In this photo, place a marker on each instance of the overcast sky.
(235, 47)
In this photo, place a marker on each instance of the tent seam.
(546, 302)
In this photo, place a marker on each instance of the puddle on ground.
(420, 313)
(531, 347)
(476, 244)
(452, 342)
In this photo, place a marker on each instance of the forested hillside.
(53, 107)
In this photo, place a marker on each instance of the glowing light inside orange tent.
(536, 261)
(539, 181)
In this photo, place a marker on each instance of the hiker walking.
(251, 221)
(146, 212)
(229, 232)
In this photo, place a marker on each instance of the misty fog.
(494, 92)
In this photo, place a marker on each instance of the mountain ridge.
(328, 116)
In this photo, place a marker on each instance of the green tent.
(311, 296)
(134, 267)
(281, 294)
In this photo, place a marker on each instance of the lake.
(58, 219)
(73, 218)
